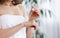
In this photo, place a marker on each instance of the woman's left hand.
(33, 25)
(34, 13)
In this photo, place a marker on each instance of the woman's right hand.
(30, 25)
(34, 13)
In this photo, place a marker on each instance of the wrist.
(22, 24)
(28, 28)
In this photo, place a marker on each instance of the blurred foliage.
(35, 1)
(41, 11)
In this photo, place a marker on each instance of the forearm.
(29, 30)
(29, 33)
(5, 33)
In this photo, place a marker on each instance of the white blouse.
(9, 21)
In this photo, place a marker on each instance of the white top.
(9, 21)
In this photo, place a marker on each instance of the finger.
(34, 7)
(36, 25)
(33, 27)
(38, 12)
(35, 10)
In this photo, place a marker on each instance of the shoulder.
(21, 8)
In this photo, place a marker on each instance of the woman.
(13, 23)
(35, 15)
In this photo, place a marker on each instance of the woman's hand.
(34, 13)
(31, 25)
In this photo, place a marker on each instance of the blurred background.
(48, 21)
